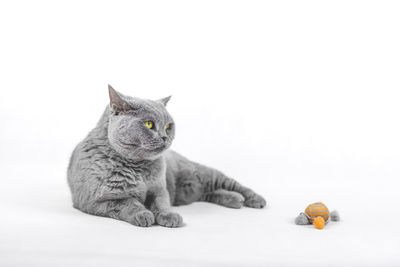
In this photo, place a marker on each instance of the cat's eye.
(167, 127)
(149, 124)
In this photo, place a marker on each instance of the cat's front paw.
(143, 218)
(169, 219)
(255, 201)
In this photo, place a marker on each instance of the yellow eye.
(149, 124)
(167, 127)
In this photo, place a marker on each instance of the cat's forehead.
(150, 107)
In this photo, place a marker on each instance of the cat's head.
(139, 128)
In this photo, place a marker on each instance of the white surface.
(297, 100)
(40, 228)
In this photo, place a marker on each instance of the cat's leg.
(129, 210)
(189, 181)
(225, 198)
(158, 201)
(214, 180)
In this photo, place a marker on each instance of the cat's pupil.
(149, 124)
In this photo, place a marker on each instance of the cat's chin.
(150, 157)
(147, 155)
(155, 153)
(159, 149)
(137, 152)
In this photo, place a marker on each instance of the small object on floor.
(318, 215)
(319, 223)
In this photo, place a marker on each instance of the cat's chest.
(133, 176)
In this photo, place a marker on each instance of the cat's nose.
(164, 138)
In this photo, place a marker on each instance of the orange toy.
(318, 215)
(319, 223)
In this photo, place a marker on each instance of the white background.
(298, 100)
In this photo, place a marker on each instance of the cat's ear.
(164, 100)
(116, 101)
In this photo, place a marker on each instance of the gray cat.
(124, 170)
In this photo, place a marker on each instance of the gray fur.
(125, 171)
